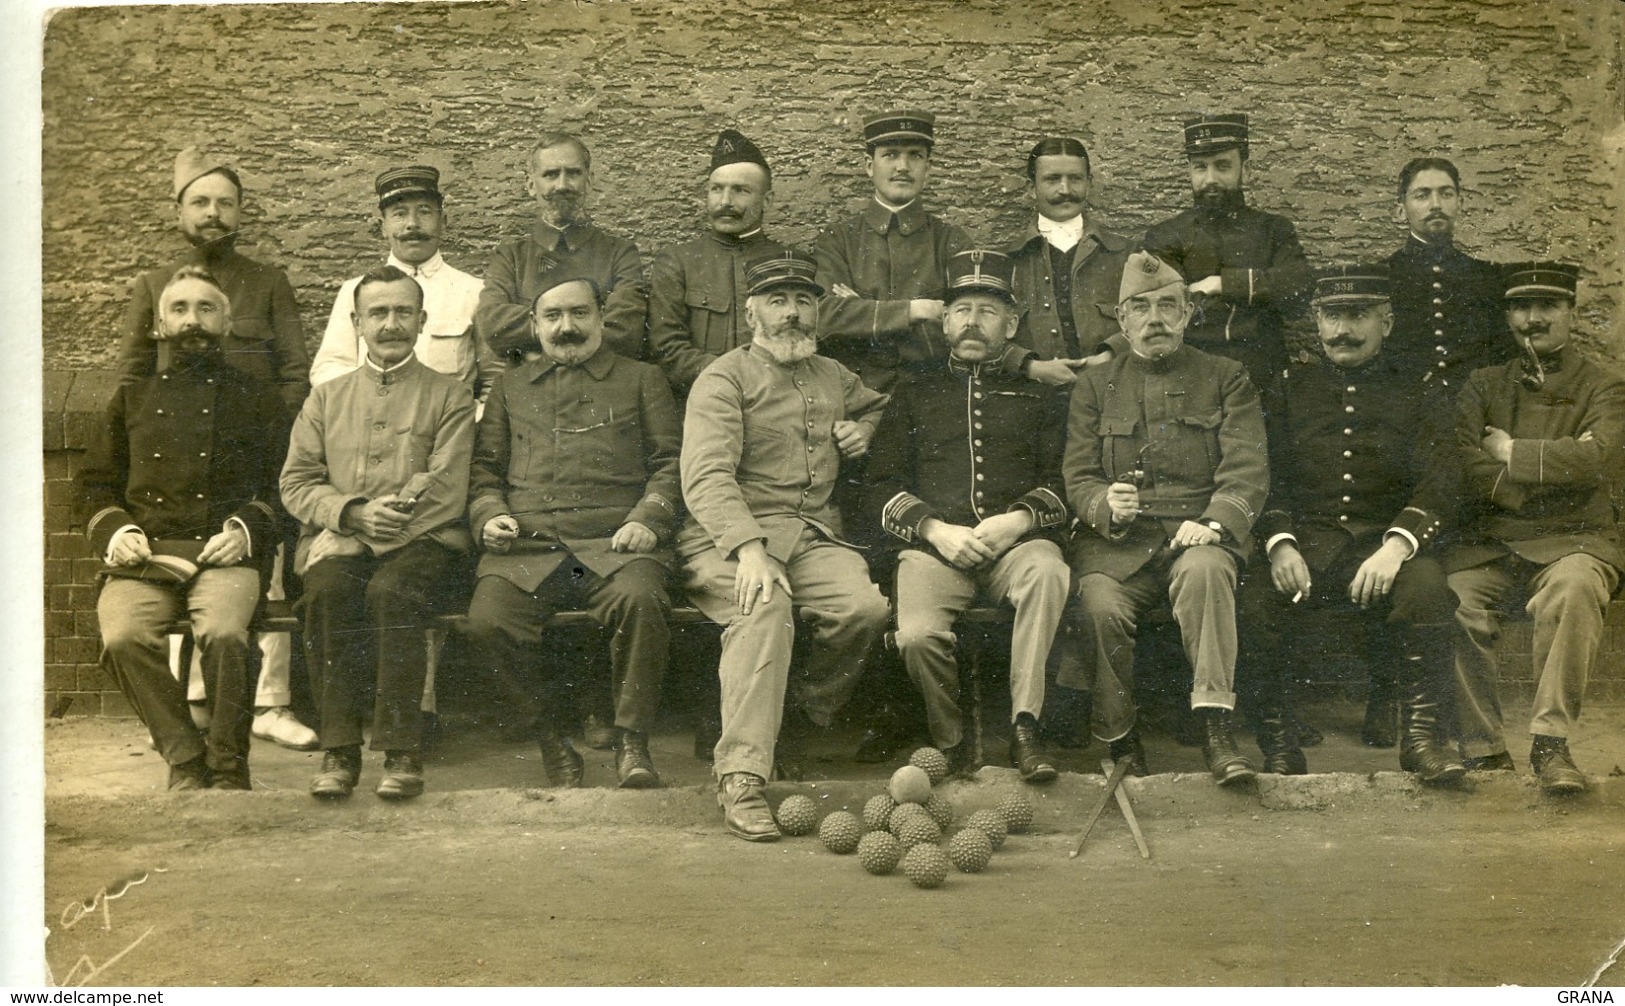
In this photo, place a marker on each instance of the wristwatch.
(1216, 526)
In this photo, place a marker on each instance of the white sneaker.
(279, 726)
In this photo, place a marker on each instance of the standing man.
(1448, 317)
(1364, 477)
(412, 218)
(377, 473)
(181, 488)
(1165, 467)
(574, 489)
(967, 474)
(697, 289)
(884, 267)
(563, 242)
(264, 341)
(1246, 270)
(767, 429)
(1067, 268)
(1544, 440)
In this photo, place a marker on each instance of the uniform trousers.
(509, 625)
(1567, 600)
(364, 618)
(845, 614)
(1200, 584)
(134, 615)
(1031, 577)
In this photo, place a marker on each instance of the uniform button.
(1440, 349)
(1438, 333)
(1438, 286)
(976, 394)
(1349, 389)
(979, 476)
(200, 496)
(160, 412)
(976, 412)
(1437, 314)
(809, 424)
(202, 454)
(1348, 408)
(1348, 454)
(1347, 432)
(1437, 270)
(377, 426)
(205, 412)
(157, 499)
(1441, 363)
(1437, 302)
(373, 460)
(575, 496)
(163, 377)
(976, 381)
(198, 537)
(1345, 499)
(976, 443)
(978, 494)
(809, 448)
(547, 498)
(1348, 476)
(979, 460)
(977, 425)
(1343, 517)
(156, 456)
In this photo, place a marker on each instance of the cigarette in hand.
(1297, 597)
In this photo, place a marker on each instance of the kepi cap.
(733, 147)
(413, 180)
(786, 268)
(193, 163)
(979, 270)
(1143, 273)
(1208, 134)
(1540, 279)
(900, 127)
(1352, 284)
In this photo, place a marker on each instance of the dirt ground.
(1355, 877)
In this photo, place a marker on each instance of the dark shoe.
(1419, 747)
(190, 774)
(962, 763)
(1550, 760)
(1500, 761)
(1306, 734)
(403, 776)
(561, 762)
(1227, 764)
(1282, 756)
(234, 778)
(633, 765)
(1027, 752)
(744, 807)
(341, 770)
(597, 734)
(882, 743)
(1128, 746)
(1381, 726)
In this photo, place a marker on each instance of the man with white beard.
(767, 428)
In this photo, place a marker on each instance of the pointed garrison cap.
(193, 163)
(413, 180)
(1143, 273)
(1540, 279)
(1209, 134)
(733, 147)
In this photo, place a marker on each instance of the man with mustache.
(697, 288)
(1067, 269)
(966, 474)
(768, 426)
(180, 489)
(1247, 272)
(1544, 440)
(377, 475)
(574, 494)
(1166, 470)
(563, 242)
(1364, 477)
(412, 219)
(265, 342)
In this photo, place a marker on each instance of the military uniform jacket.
(697, 302)
(759, 457)
(1191, 423)
(962, 442)
(888, 265)
(520, 269)
(1354, 454)
(1449, 318)
(183, 452)
(573, 453)
(1266, 278)
(1097, 273)
(265, 341)
(1557, 496)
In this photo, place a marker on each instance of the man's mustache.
(569, 338)
(1346, 340)
(192, 332)
(413, 236)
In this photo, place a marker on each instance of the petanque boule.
(941, 810)
(926, 865)
(1017, 812)
(840, 832)
(910, 784)
(797, 815)
(914, 829)
(990, 822)
(877, 812)
(970, 849)
(879, 852)
(934, 762)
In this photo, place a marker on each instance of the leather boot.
(1027, 752)
(1381, 709)
(1128, 746)
(1554, 767)
(1421, 675)
(1227, 764)
(633, 766)
(744, 807)
(1278, 740)
(562, 763)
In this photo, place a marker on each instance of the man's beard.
(212, 243)
(568, 347)
(1215, 200)
(564, 208)
(789, 342)
(192, 346)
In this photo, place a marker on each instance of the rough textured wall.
(314, 99)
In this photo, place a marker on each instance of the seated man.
(767, 426)
(1543, 436)
(377, 472)
(181, 485)
(1165, 467)
(574, 490)
(967, 472)
(1364, 475)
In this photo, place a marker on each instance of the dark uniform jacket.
(1093, 282)
(697, 302)
(183, 452)
(962, 442)
(265, 342)
(1188, 429)
(1558, 495)
(1354, 454)
(1266, 277)
(520, 269)
(1449, 318)
(888, 265)
(573, 453)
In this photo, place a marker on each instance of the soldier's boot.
(1422, 676)
(1278, 740)
(1227, 764)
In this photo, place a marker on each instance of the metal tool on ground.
(1112, 782)
(1127, 807)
